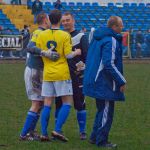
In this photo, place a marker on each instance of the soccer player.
(76, 66)
(56, 76)
(33, 81)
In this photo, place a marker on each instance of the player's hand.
(80, 66)
(122, 88)
(52, 55)
(77, 51)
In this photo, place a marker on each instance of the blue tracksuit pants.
(103, 121)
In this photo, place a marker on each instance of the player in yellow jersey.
(33, 80)
(56, 76)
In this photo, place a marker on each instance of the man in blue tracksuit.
(103, 78)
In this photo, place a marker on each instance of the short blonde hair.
(40, 18)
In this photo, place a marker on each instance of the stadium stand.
(22, 16)
(135, 15)
(6, 23)
(97, 14)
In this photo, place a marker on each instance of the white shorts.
(33, 83)
(57, 88)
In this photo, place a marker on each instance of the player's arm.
(108, 60)
(68, 48)
(73, 54)
(84, 47)
(34, 49)
(31, 48)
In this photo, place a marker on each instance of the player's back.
(55, 71)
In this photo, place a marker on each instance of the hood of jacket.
(100, 33)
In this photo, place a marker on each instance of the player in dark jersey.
(76, 66)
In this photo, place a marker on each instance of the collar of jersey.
(55, 28)
(41, 28)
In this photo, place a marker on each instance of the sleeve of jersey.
(39, 42)
(108, 58)
(31, 44)
(84, 47)
(67, 45)
(34, 37)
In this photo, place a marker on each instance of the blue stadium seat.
(116, 9)
(82, 24)
(97, 14)
(133, 5)
(141, 5)
(92, 10)
(128, 15)
(64, 3)
(71, 4)
(87, 4)
(77, 17)
(141, 20)
(144, 16)
(68, 8)
(94, 4)
(16, 32)
(129, 24)
(133, 20)
(84, 10)
(79, 4)
(146, 10)
(85, 19)
(45, 9)
(146, 25)
(131, 10)
(91, 24)
(148, 5)
(93, 19)
(2, 17)
(80, 15)
(89, 15)
(107, 10)
(139, 9)
(110, 4)
(126, 5)
(48, 3)
(136, 15)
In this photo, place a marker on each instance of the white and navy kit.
(79, 41)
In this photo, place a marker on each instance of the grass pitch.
(131, 126)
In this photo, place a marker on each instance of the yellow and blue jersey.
(61, 40)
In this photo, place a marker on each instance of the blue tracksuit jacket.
(103, 75)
